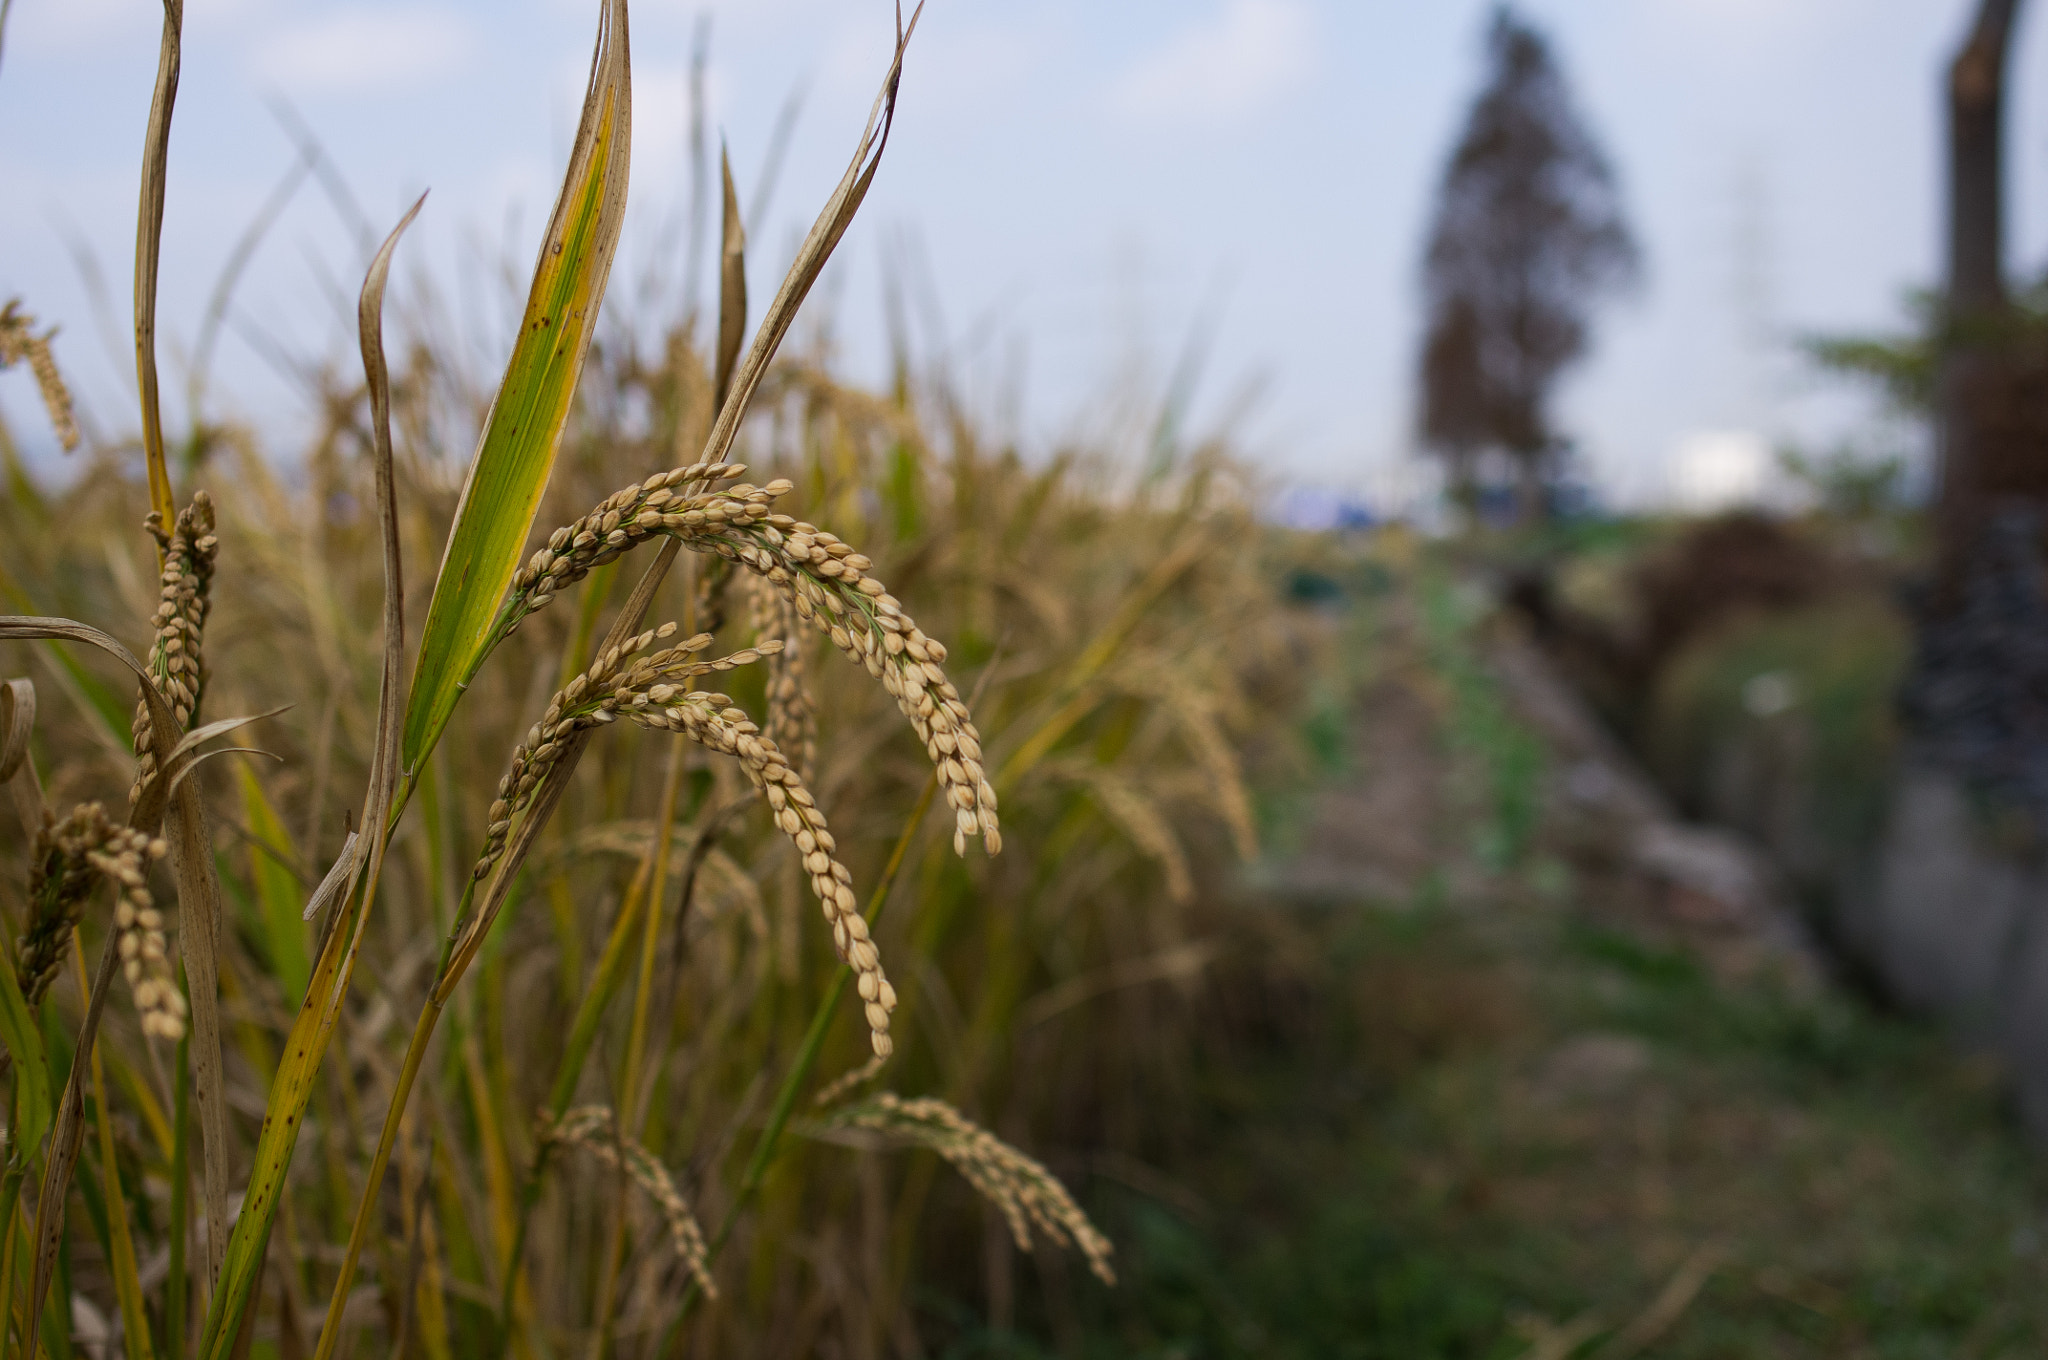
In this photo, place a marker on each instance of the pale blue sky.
(1084, 179)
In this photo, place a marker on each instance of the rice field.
(458, 988)
(657, 849)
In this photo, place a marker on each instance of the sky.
(1079, 195)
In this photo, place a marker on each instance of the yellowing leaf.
(524, 428)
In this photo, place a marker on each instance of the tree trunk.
(1973, 394)
(1974, 704)
(1976, 108)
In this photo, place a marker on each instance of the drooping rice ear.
(595, 1129)
(20, 343)
(1018, 1185)
(803, 273)
(810, 261)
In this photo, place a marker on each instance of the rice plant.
(486, 1047)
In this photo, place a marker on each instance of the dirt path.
(1594, 1099)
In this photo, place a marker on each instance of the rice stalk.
(120, 1236)
(1140, 665)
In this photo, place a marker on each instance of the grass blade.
(732, 286)
(277, 890)
(521, 434)
(120, 1240)
(66, 1140)
(17, 724)
(107, 713)
(149, 232)
(811, 256)
(177, 1285)
(32, 1109)
(39, 628)
(507, 476)
(10, 1196)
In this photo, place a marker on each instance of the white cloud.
(355, 49)
(1224, 65)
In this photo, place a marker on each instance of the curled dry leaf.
(17, 770)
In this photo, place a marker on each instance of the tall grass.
(562, 1063)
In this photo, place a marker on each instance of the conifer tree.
(1528, 238)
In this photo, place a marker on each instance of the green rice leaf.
(524, 429)
(277, 890)
(33, 1109)
(121, 1262)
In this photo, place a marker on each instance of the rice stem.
(631, 1096)
(10, 1199)
(359, 1232)
(590, 1011)
(177, 1284)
